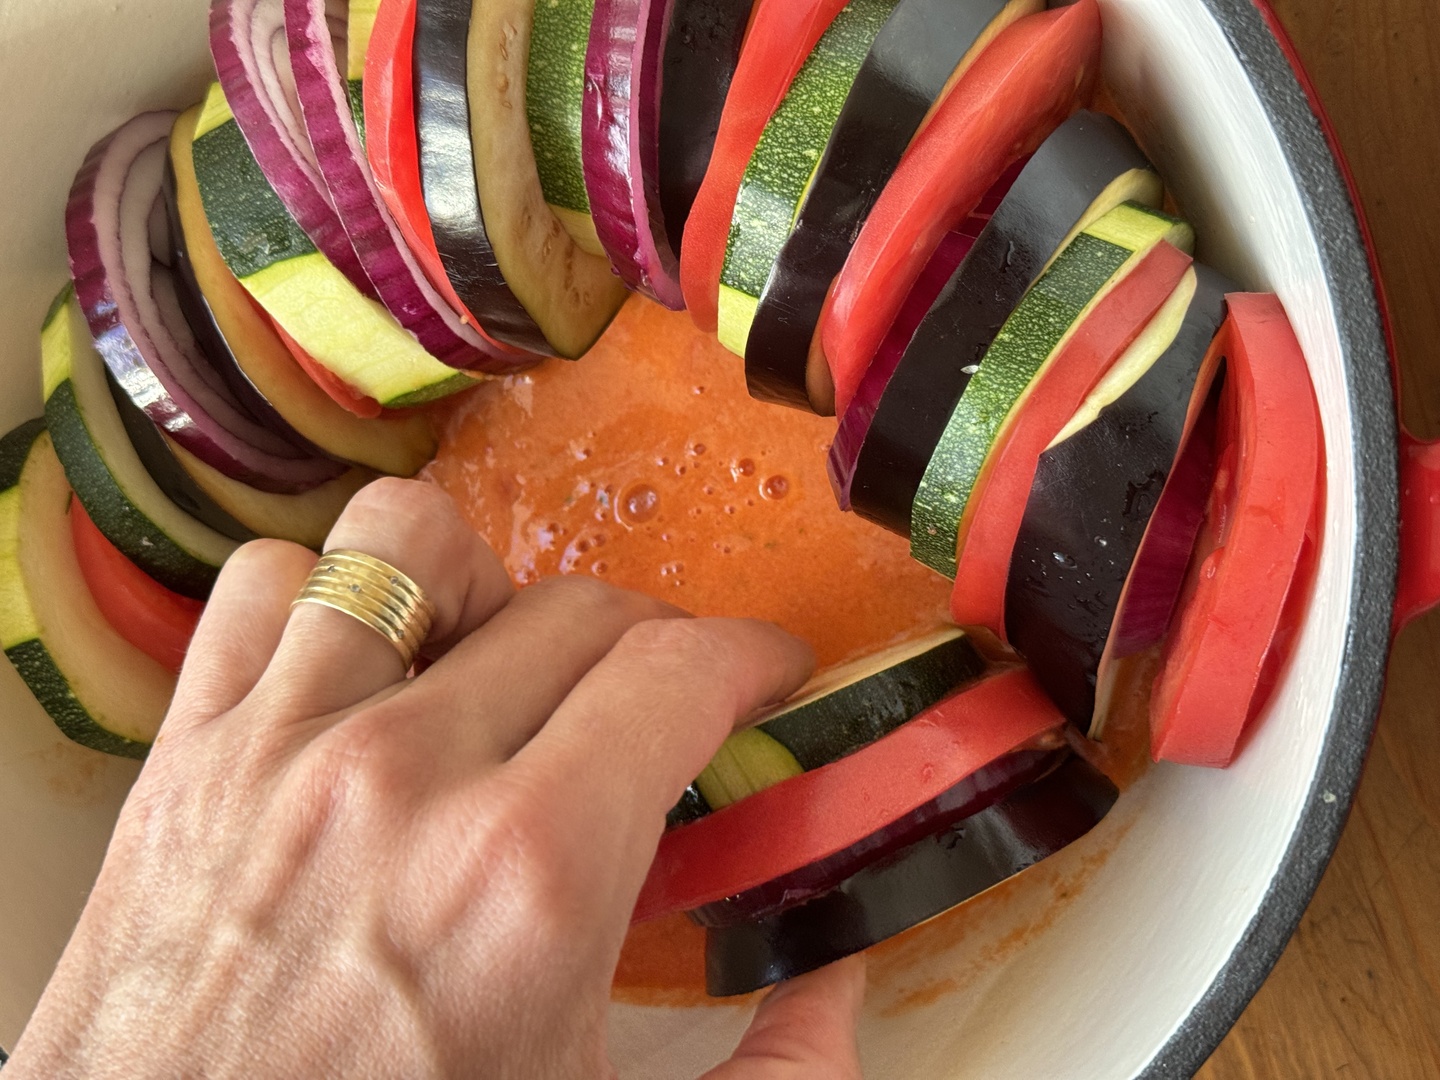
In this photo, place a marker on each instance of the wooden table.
(1357, 993)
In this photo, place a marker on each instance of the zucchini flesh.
(554, 95)
(785, 161)
(747, 762)
(100, 690)
(399, 445)
(347, 333)
(571, 294)
(1080, 276)
(107, 473)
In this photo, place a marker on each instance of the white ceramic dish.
(1179, 904)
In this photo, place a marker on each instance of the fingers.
(240, 630)
(328, 661)
(488, 697)
(643, 723)
(804, 1029)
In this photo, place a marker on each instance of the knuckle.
(672, 643)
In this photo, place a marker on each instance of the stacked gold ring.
(375, 593)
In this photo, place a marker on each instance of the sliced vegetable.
(348, 333)
(158, 622)
(129, 301)
(1124, 334)
(1085, 169)
(1095, 493)
(702, 50)
(901, 889)
(827, 810)
(1239, 614)
(329, 117)
(260, 87)
(785, 160)
(554, 104)
(304, 519)
(103, 467)
(100, 690)
(1085, 272)
(1012, 97)
(781, 36)
(621, 139)
(917, 57)
(747, 762)
(223, 313)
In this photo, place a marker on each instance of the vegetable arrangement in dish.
(902, 212)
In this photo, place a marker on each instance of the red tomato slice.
(336, 388)
(779, 39)
(393, 150)
(158, 622)
(997, 507)
(816, 814)
(1249, 579)
(1015, 94)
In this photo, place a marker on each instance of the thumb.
(804, 1029)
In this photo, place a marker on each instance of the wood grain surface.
(1357, 992)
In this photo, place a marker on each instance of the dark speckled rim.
(1345, 256)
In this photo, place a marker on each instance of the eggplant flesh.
(1072, 169)
(912, 884)
(980, 790)
(702, 51)
(908, 67)
(1091, 502)
(447, 174)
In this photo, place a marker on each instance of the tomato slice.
(1016, 93)
(393, 150)
(780, 37)
(996, 509)
(1249, 580)
(827, 810)
(158, 622)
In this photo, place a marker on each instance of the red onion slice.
(855, 423)
(130, 303)
(619, 143)
(316, 31)
(252, 60)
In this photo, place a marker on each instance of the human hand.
(326, 869)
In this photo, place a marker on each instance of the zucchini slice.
(346, 332)
(1095, 493)
(105, 470)
(304, 519)
(100, 690)
(784, 163)
(1081, 275)
(554, 95)
(921, 52)
(1087, 167)
(400, 444)
(747, 762)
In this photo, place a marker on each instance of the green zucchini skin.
(908, 67)
(1059, 186)
(902, 888)
(785, 160)
(858, 713)
(554, 95)
(1091, 502)
(1054, 307)
(86, 421)
(99, 690)
(691, 807)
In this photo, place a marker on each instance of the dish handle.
(1419, 586)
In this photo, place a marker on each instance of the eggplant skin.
(701, 54)
(1060, 182)
(916, 883)
(1089, 507)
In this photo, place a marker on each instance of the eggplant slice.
(1087, 166)
(911, 63)
(906, 887)
(1090, 505)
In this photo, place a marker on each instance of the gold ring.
(375, 593)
